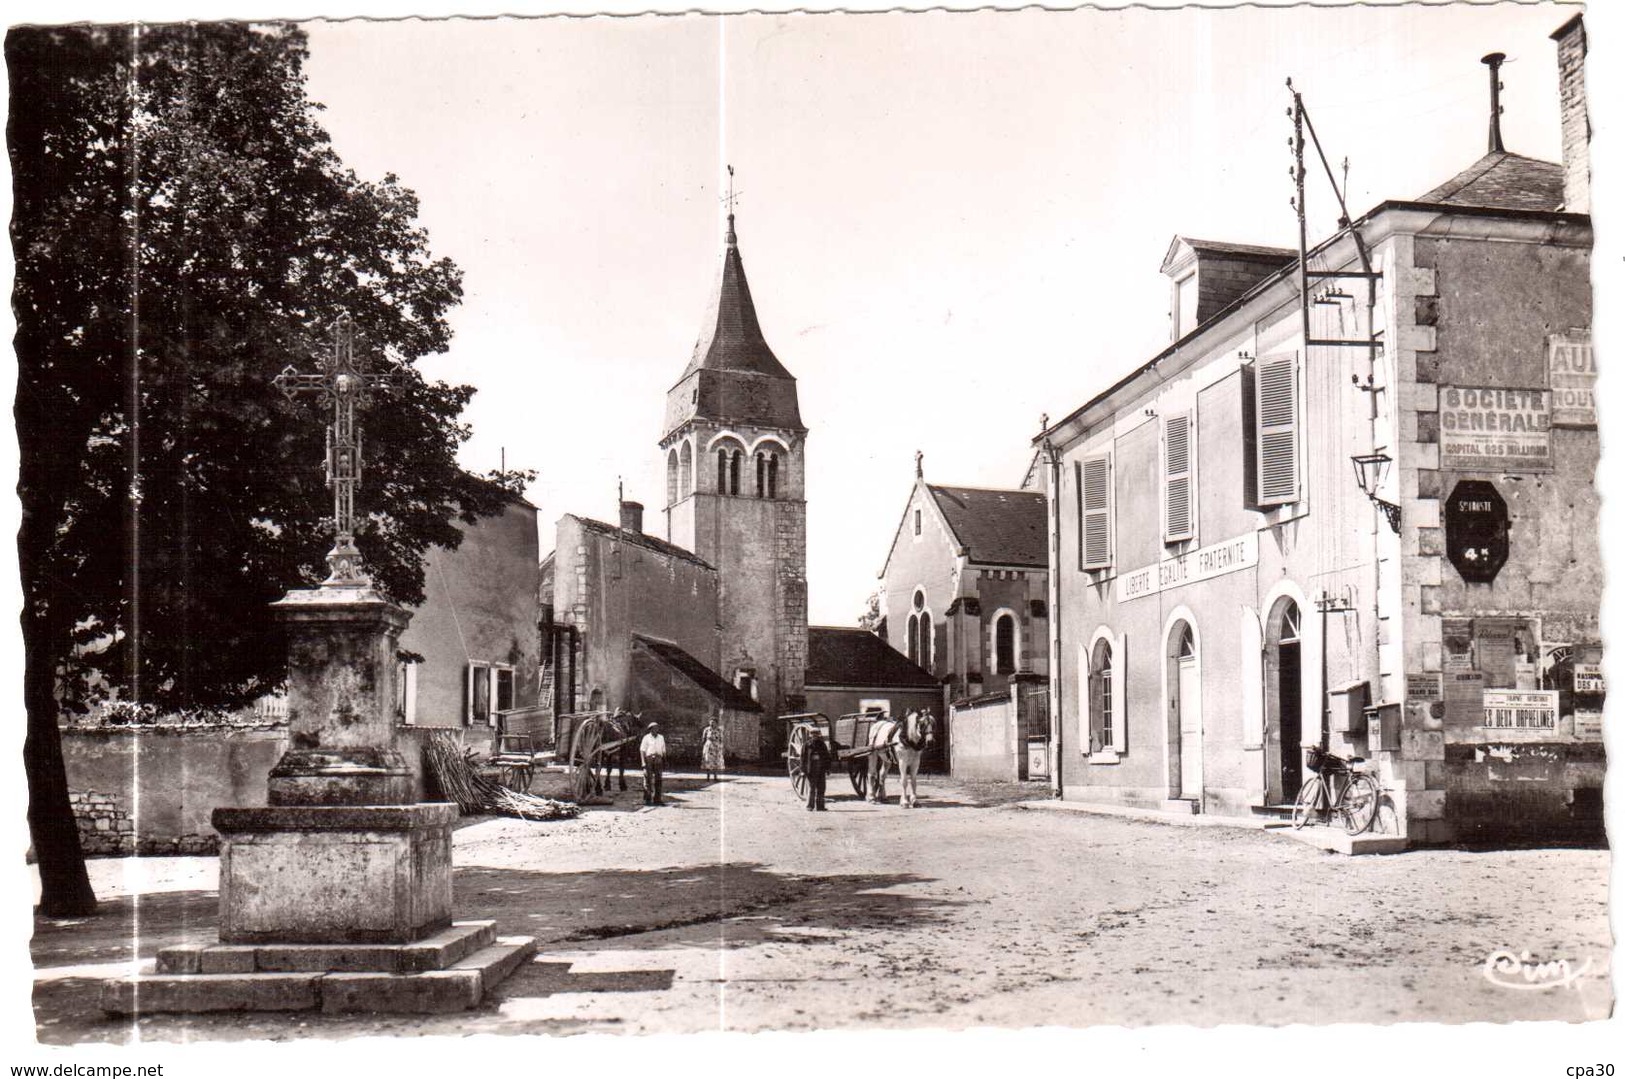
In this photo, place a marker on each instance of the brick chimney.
(1571, 97)
(631, 516)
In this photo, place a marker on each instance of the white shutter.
(409, 693)
(1085, 707)
(1120, 694)
(1094, 502)
(1277, 386)
(1252, 682)
(1178, 523)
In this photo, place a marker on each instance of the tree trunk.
(64, 885)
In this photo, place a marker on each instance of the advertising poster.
(1574, 379)
(1493, 430)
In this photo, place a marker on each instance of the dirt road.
(734, 908)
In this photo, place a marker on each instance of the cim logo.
(1521, 971)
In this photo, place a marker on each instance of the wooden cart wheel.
(584, 758)
(792, 757)
(857, 770)
(583, 781)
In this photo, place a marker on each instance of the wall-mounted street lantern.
(1370, 469)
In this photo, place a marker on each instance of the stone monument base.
(448, 971)
(334, 874)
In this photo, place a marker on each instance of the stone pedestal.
(324, 874)
(338, 894)
(341, 700)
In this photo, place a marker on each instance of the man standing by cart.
(815, 766)
(652, 750)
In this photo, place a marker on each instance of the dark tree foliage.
(183, 230)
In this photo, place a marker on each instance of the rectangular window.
(916, 522)
(1185, 305)
(1277, 431)
(504, 693)
(1094, 476)
(1179, 517)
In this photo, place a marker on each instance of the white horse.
(882, 740)
(918, 732)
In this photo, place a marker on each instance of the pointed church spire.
(733, 375)
(731, 337)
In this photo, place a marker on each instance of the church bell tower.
(733, 446)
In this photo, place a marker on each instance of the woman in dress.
(711, 749)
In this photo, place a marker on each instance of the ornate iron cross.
(345, 384)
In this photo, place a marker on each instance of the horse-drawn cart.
(849, 744)
(591, 744)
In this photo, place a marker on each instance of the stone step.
(1336, 839)
(460, 986)
(500, 959)
(144, 994)
(435, 952)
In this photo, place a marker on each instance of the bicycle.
(1340, 788)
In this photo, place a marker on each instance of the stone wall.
(480, 606)
(1452, 777)
(151, 790)
(983, 736)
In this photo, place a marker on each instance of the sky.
(951, 222)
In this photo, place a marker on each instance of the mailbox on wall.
(1348, 708)
(1382, 727)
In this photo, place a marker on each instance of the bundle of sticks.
(453, 768)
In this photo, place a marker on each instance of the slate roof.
(733, 375)
(1503, 181)
(1005, 528)
(643, 539)
(856, 657)
(726, 694)
(731, 337)
(1221, 247)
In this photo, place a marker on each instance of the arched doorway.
(1184, 713)
(1283, 701)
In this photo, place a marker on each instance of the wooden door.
(1190, 731)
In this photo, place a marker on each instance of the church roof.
(725, 694)
(641, 539)
(1503, 181)
(855, 657)
(1005, 528)
(733, 375)
(731, 337)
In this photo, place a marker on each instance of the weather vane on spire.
(731, 199)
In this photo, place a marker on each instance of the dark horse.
(600, 745)
(621, 731)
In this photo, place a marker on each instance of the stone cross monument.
(337, 893)
(345, 385)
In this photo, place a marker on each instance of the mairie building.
(1351, 504)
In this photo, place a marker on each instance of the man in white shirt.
(653, 752)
